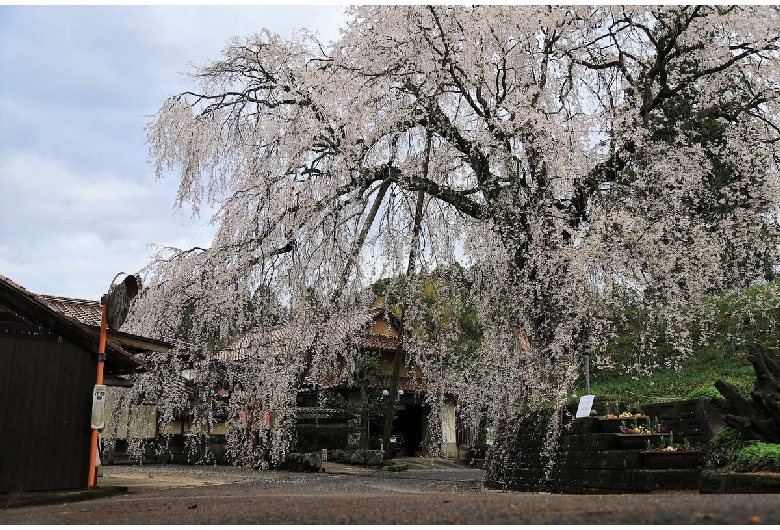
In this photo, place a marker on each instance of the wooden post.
(98, 381)
(397, 362)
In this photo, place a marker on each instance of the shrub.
(758, 457)
(724, 447)
(479, 450)
(704, 392)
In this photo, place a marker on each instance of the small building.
(48, 365)
(372, 332)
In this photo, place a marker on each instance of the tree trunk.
(758, 419)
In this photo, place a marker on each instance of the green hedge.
(729, 451)
(758, 457)
(315, 437)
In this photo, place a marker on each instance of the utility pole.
(113, 311)
(101, 357)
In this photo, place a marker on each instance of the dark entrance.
(409, 426)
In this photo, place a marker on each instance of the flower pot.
(670, 459)
(612, 425)
(637, 441)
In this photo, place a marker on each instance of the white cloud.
(61, 229)
(78, 202)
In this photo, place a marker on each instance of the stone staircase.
(594, 457)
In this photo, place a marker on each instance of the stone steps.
(592, 458)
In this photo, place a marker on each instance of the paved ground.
(431, 492)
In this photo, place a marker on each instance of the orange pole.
(98, 381)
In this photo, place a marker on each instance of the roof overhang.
(118, 359)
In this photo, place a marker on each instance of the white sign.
(586, 404)
(98, 420)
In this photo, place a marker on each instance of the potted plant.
(637, 435)
(612, 423)
(669, 455)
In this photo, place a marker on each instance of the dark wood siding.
(46, 385)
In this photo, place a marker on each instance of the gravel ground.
(426, 494)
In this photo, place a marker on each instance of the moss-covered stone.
(395, 467)
(745, 483)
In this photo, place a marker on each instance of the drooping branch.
(570, 159)
(357, 244)
(413, 252)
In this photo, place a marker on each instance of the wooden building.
(372, 332)
(48, 365)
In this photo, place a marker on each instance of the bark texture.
(759, 418)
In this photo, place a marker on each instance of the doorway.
(409, 426)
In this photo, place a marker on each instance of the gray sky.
(78, 200)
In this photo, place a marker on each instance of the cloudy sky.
(78, 200)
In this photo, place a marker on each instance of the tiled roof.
(378, 342)
(83, 334)
(348, 328)
(407, 384)
(341, 331)
(13, 284)
(411, 384)
(89, 313)
(82, 317)
(85, 311)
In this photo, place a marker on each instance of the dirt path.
(426, 495)
(171, 476)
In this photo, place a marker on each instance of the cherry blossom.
(573, 160)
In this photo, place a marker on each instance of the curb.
(34, 498)
(745, 483)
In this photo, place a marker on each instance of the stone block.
(670, 460)
(638, 441)
(374, 458)
(590, 461)
(292, 462)
(311, 462)
(649, 480)
(583, 478)
(622, 480)
(589, 442)
(710, 482)
(583, 426)
(600, 459)
(751, 483)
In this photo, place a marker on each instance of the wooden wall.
(46, 386)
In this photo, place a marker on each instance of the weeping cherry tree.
(571, 160)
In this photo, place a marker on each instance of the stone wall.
(584, 459)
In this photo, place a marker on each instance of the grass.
(736, 324)
(695, 379)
